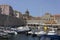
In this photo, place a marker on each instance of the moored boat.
(40, 33)
(21, 29)
(52, 33)
(11, 32)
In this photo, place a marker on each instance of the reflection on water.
(26, 37)
(21, 37)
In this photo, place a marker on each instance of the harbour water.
(21, 37)
(26, 37)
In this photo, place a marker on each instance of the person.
(45, 28)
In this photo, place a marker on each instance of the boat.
(30, 32)
(10, 32)
(52, 32)
(21, 29)
(40, 33)
(4, 35)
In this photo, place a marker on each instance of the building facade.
(9, 18)
(6, 10)
(18, 14)
(57, 18)
(46, 19)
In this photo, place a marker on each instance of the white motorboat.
(37, 33)
(21, 29)
(30, 32)
(52, 33)
(10, 32)
(40, 33)
(4, 35)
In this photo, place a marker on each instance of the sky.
(35, 7)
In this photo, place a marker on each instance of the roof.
(37, 18)
(50, 22)
(57, 15)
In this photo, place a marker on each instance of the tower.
(27, 12)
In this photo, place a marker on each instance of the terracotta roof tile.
(50, 22)
(57, 15)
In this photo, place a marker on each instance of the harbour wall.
(6, 20)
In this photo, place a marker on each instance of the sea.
(21, 37)
(26, 37)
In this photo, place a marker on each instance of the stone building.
(48, 19)
(30, 20)
(18, 14)
(57, 18)
(9, 18)
(26, 15)
(6, 10)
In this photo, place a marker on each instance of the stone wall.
(10, 21)
(6, 9)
